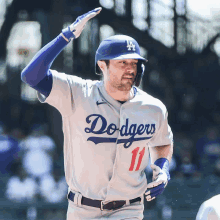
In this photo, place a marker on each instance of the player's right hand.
(79, 24)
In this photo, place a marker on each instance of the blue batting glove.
(160, 178)
(76, 28)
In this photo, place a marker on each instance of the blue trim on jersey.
(163, 163)
(36, 74)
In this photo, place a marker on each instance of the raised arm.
(37, 74)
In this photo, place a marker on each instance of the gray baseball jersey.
(105, 142)
(209, 210)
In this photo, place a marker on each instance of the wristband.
(163, 163)
(68, 34)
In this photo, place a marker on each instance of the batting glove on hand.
(160, 179)
(76, 28)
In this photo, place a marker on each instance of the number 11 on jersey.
(134, 156)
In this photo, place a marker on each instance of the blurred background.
(181, 40)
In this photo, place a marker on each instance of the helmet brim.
(128, 56)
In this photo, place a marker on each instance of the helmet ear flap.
(140, 72)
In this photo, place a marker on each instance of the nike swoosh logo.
(99, 103)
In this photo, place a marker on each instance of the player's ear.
(102, 65)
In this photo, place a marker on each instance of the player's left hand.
(158, 184)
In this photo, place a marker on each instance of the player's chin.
(127, 86)
(126, 81)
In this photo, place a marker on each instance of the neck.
(118, 94)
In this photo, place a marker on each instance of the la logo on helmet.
(130, 45)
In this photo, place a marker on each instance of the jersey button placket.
(117, 151)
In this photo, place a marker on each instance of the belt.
(100, 204)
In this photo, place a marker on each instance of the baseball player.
(209, 209)
(110, 127)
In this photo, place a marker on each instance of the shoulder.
(209, 208)
(212, 201)
(148, 101)
(74, 80)
(88, 83)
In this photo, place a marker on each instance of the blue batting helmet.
(120, 47)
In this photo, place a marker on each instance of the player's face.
(121, 73)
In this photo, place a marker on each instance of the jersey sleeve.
(164, 135)
(64, 90)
